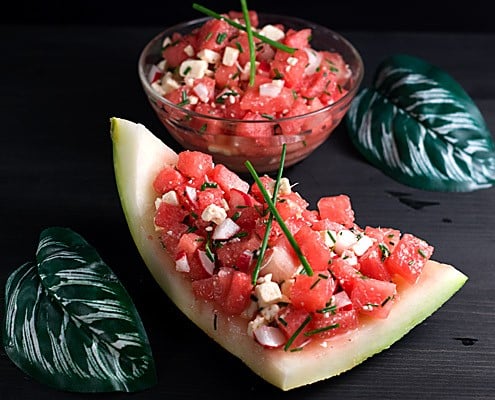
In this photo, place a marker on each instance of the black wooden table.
(58, 88)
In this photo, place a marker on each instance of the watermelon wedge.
(138, 157)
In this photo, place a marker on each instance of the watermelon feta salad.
(298, 298)
(213, 223)
(208, 71)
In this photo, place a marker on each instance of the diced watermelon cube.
(337, 208)
(313, 247)
(194, 164)
(373, 297)
(312, 292)
(409, 257)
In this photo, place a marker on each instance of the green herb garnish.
(215, 15)
(385, 251)
(239, 47)
(221, 37)
(297, 332)
(323, 329)
(207, 185)
(252, 51)
(264, 243)
(184, 99)
(274, 212)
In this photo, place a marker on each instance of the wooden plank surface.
(59, 87)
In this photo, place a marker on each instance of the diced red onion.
(225, 230)
(206, 262)
(341, 300)
(191, 194)
(314, 61)
(181, 263)
(154, 74)
(270, 89)
(269, 336)
(202, 91)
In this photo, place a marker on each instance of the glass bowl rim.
(358, 75)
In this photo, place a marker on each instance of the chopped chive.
(332, 237)
(323, 329)
(208, 251)
(296, 349)
(386, 300)
(385, 251)
(274, 212)
(282, 321)
(207, 185)
(239, 47)
(278, 74)
(422, 253)
(236, 216)
(221, 37)
(264, 243)
(329, 309)
(184, 98)
(208, 36)
(297, 332)
(267, 116)
(187, 70)
(215, 318)
(191, 229)
(241, 27)
(240, 235)
(203, 128)
(315, 283)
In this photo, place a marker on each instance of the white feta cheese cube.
(272, 32)
(284, 187)
(246, 70)
(214, 214)
(189, 50)
(157, 87)
(230, 55)
(345, 239)
(270, 312)
(169, 83)
(170, 198)
(194, 69)
(210, 56)
(363, 244)
(349, 256)
(268, 293)
(329, 237)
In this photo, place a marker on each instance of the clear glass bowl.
(220, 139)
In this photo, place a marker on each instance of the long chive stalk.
(281, 222)
(252, 50)
(264, 244)
(235, 24)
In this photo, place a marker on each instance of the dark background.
(416, 15)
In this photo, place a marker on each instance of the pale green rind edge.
(138, 156)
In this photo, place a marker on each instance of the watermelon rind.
(138, 155)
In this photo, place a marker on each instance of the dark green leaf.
(419, 126)
(70, 323)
